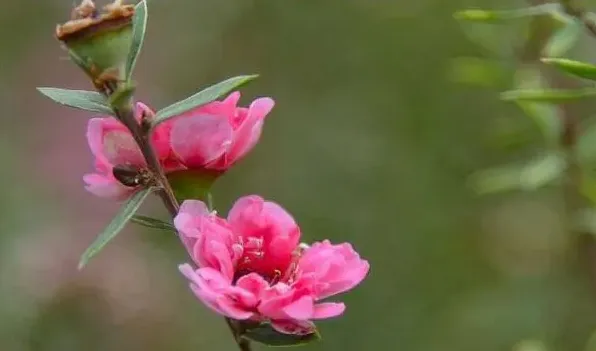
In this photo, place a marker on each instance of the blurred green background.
(372, 141)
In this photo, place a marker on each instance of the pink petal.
(95, 128)
(243, 297)
(213, 244)
(231, 101)
(194, 208)
(201, 290)
(119, 147)
(334, 268)
(249, 132)
(283, 222)
(111, 143)
(301, 309)
(186, 221)
(328, 310)
(142, 110)
(244, 211)
(208, 300)
(200, 139)
(275, 299)
(353, 277)
(224, 109)
(221, 258)
(232, 309)
(187, 270)
(253, 282)
(106, 187)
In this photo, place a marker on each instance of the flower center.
(259, 257)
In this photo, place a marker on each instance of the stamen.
(293, 267)
(276, 277)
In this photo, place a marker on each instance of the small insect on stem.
(132, 176)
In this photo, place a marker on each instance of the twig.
(126, 115)
(580, 13)
(142, 138)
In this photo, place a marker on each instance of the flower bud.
(99, 42)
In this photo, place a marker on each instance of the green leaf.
(533, 175)
(126, 212)
(576, 68)
(152, 223)
(495, 180)
(542, 171)
(201, 98)
(495, 16)
(139, 25)
(265, 334)
(547, 117)
(80, 99)
(554, 96)
(564, 39)
(476, 71)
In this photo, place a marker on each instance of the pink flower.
(251, 266)
(210, 138)
(113, 145)
(218, 134)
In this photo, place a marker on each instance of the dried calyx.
(99, 42)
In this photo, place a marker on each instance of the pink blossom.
(218, 134)
(252, 267)
(113, 145)
(210, 138)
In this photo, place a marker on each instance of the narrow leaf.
(576, 68)
(152, 223)
(476, 71)
(546, 116)
(495, 16)
(265, 334)
(495, 180)
(201, 98)
(124, 215)
(542, 171)
(139, 25)
(80, 99)
(564, 39)
(535, 174)
(554, 96)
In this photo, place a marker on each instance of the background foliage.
(373, 140)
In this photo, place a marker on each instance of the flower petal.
(232, 309)
(200, 138)
(194, 208)
(249, 132)
(253, 283)
(332, 269)
(106, 187)
(328, 310)
(301, 309)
